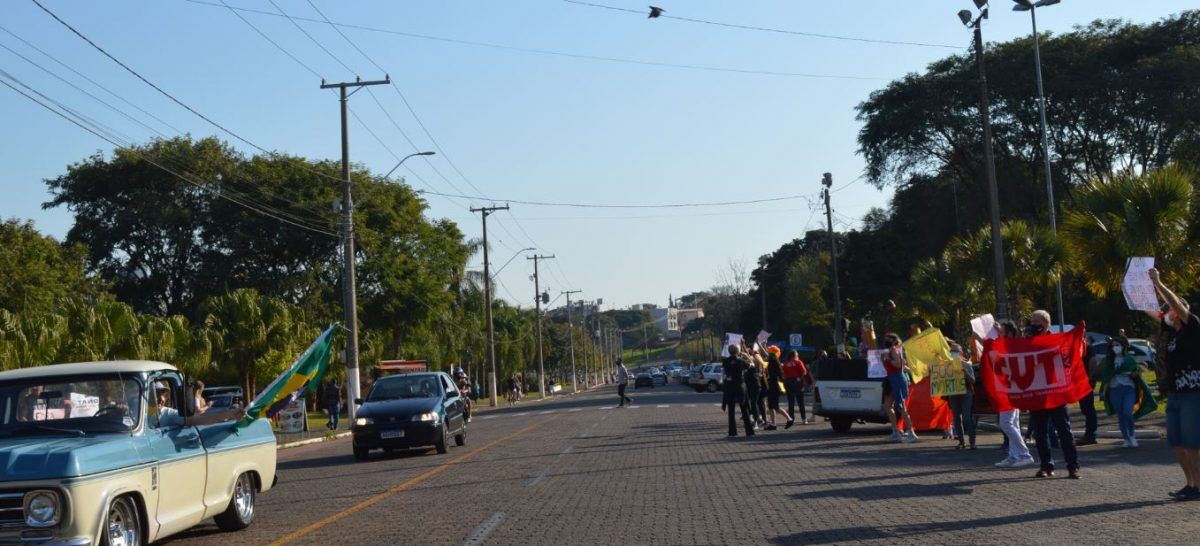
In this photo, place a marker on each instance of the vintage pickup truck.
(107, 453)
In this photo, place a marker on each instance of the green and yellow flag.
(304, 374)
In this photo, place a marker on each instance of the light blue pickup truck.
(111, 453)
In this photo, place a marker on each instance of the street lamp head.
(965, 17)
(980, 4)
(427, 153)
(1044, 3)
(1022, 5)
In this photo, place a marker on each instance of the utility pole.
(571, 340)
(537, 298)
(583, 345)
(985, 119)
(349, 296)
(645, 345)
(487, 297)
(762, 291)
(827, 181)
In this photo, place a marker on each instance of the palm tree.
(1034, 260)
(250, 332)
(1156, 213)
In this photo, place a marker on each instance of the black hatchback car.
(410, 410)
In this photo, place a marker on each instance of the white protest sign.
(1139, 291)
(984, 326)
(763, 337)
(875, 369)
(83, 405)
(730, 339)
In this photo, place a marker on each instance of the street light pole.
(537, 298)
(838, 341)
(1031, 7)
(349, 289)
(487, 296)
(989, 160)
(571, 340)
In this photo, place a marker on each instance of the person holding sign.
(897, 366)
(1181, 384)
(961, 404)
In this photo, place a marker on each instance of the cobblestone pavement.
(579, 471)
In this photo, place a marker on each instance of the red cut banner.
(1036, 373)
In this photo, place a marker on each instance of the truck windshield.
(72, 406)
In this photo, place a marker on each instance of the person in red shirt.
(794, 374)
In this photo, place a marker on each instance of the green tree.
(38, 272)
(253, 334)
(1150, 214)
(1034, 260)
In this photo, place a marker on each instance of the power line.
(766, 29)
(568, 55)
(632, 206)
(310, 37)
(108, 138)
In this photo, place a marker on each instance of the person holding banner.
(1040, 420)
(1182, 385)
(897, 381)
(961, 404)
(1010, 419)
(733, 396)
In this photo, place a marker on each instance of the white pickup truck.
(846, 395)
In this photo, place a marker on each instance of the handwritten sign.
(1139, 291)
(730, 339)
(984, 326)
(83, 405)
(762, 337)
(946, 378)
(875, 369)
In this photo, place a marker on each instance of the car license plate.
(851, 393)
(389, 434)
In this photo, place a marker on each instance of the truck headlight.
(428, 416)
(361, 421)
(42, 508)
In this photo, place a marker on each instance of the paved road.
(577, 471)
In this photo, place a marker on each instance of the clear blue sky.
(523, 125)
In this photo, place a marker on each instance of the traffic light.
(545, 298)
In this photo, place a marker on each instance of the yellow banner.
(946, 378)
(924, 350)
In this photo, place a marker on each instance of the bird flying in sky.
(655, 12)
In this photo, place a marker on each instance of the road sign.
(796, 340)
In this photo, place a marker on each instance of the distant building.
(666, 319)
(642, 307)
(684, 316)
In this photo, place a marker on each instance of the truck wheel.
(711, 387)
(240, 512)
(841, 424)
(441, 446)
(122, 527)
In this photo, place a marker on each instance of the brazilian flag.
(304, 374)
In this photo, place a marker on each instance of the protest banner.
(875, 369)
(1140, 294)
(762, 337)
(83, 405)
(923, 350)
(1037, 373)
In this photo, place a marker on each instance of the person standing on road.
(333, 403)
(1181, 384)
(622, 383)
(1041, 420)
(1010, 421)
(961, 404)
(1087, 404)
(897, 381)
(1119, 389)
(794, 373)
(752, 385)
(775, 388)
(734, 396)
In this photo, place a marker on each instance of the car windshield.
(73, 405)
(395, 388)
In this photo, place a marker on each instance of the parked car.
(643, 379)
(708, 377)
(92, 456)
(658, 377)
(410, 410)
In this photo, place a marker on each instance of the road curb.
(311, 441)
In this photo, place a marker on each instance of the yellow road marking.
(390, 492)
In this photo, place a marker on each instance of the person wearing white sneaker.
(897, 384)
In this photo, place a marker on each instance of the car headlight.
(42, 508)
(364, 421)
(428, 416)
